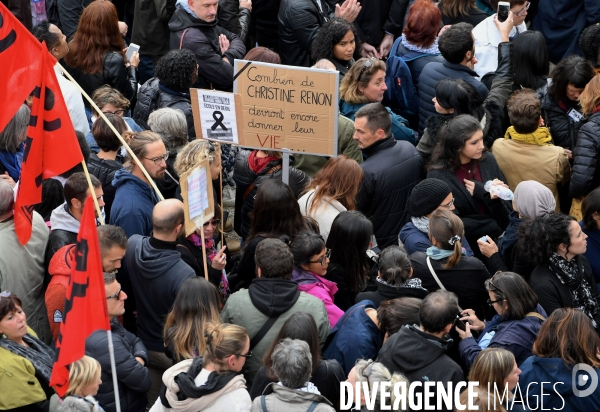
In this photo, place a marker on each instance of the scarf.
(308, 387)
(411, 283)
(438, 254)
(421, 223)
(433, 49)
(259, 163)
(571, 275)
(38, 353)
(12, 161)
(211, 252)
(541, 137)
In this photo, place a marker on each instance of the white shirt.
(74, 102)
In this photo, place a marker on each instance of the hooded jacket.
(291, 400)
(536, 371)
(233, 397)
(391, 170)
(420, 357)
(132, 376)
(202, 39)
(586, 173)
(64, 230)
(516, 336)
(250, 308)
(105, 171)
(156, 272)
(133, 204)
(59, 270)
(321, 289)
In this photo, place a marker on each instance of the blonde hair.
(223, 341)
(491, 367)
(193, 153)
(349, 91)
(138, 141)
(82, 373)
(589, 99)
(483, 402)
(379, 373)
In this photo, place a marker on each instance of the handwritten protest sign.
(287, 107)
(197, 193)
(215, 115)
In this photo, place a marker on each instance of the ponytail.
(448, 230)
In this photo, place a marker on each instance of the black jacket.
(552, 293)
(202, 39)
(57, 239)
(392, 169)
(114, 73)
(477, 225)
(153, 95)
(420, 357)
(150, 28)
(235, 19)
(244, 177)
(562, 128)
(378, 17)
(105, 170)
(192, 255)
(133, 377)
(299, 21)
(586, 173)
(466, 280)
(386, 292)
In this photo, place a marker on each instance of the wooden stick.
(92, 192)
(133, 156)
(222, 205)
(204, 252)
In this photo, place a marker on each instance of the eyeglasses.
(491, 302)
(367, 65)
(5, 294)
(119, 113)
(323, 259)
(520, 14)
(158, 160)
(116, 296)
(214, 223)
(449, 204)
(367, 370)
(247, 356)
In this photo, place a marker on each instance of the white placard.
(197, 193)
(217, 116)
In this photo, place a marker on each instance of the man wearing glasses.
(487, 36)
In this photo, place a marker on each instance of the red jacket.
(60, 271)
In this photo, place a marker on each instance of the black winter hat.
(427, 196)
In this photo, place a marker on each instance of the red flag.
(51, 147)
(20, 57)
(85, 305)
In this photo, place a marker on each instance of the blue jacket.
(355, 336)
(516, 336)
(416, 241)
(92, 142)
(133, 204)
(536, 370)
(400, 130)
(429, 78)
(592, 252)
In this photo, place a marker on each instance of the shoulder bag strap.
(434, 275)
(535, 315)
(181, 40)
(312, 406)
(263, 403)
(251, 187)
(263, 331)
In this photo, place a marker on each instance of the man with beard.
(156, 271)
(135, 198)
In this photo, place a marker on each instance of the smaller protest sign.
(197, 194)
(215, 115)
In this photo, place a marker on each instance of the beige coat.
(519, 161)
(291, 400)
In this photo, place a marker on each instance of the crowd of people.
(454, 239)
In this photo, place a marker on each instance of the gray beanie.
(533, 199)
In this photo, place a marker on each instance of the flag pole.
(111, 352)
(109, 124)
(92, 192)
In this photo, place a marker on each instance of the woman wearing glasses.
(211, 382)
(365, 83)
(563, 277)
(26, 361)
(311, 259)
(514, 328)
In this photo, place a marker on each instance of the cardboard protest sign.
(197, 194)
(215, 116)
(287, 107)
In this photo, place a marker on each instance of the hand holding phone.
(503, 10)
(130, 50)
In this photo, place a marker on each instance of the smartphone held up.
(503, 10)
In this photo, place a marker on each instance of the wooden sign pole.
(204, 253)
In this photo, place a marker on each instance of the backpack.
(401, 95)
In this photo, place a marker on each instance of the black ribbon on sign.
(218, 116)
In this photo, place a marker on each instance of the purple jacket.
(320, 288)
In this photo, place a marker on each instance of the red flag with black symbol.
(20, 57)
(85, 305)
(51, 147)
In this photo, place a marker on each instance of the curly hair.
(177, 70)
(590, 43)
(541, 237)
(331, 34)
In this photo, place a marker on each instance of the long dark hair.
(540, 237)
(591, 204)
(276, 211)
(349, 240)
(516, 291)
(300, 325)
(331, 34)
(461, 96)
(530, 60)
(451, 140)
(573, 70)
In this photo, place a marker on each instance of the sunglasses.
(116, 296)
(214, 223)
(367, 65)
(323, 259)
